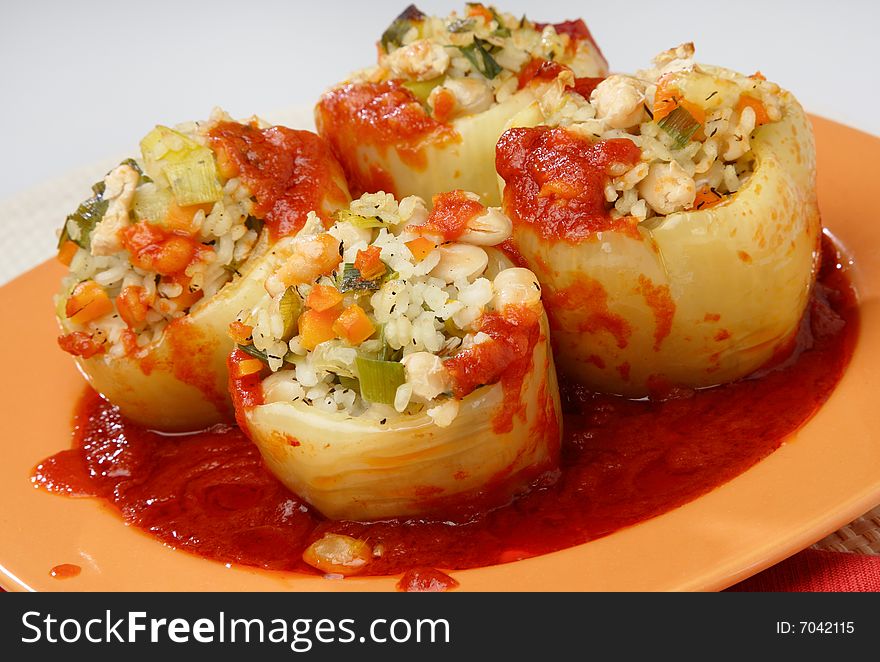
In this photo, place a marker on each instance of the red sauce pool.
(623, 461)
(68, 571)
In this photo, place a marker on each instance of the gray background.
(83, 81)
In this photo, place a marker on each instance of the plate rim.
(594, 560)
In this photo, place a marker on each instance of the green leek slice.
(151, 203)
(365, 222)
(379, 379)
(349, 382)
(421, 89)
(188, 167)
(193, 179)
(681, 125)
(290, 307)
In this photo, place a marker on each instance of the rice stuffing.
(694, 126)
(362, 319)
(160, 235)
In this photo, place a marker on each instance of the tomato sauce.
(555, 180)
(585, 86)
(380, 116)
(449, 216)
(622, 461)
(289, 172)
(539, 69)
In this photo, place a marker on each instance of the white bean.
(426, 374)
(668, 188)
(487, 229)
(619, 100)
(518, 287)
(420, 60)
(460, 261)
(472, 95)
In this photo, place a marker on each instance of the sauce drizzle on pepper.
(555, 180)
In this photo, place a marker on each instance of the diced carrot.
(443, 105)
(181, 218)
(758, 76)
(369, 263)
(81, 344)
(187, 299)
(87, 302)
(66, 252)
(323, 297)
(226, 166)
(133, 305)
(241, 333)
(154, 249)
(353, 325)
(245, 367)
(477, 9)
(666, 98)
(420, 247)
(316, 327)
(761, 117)
(706, 198)
(695, 111)
(174, 255)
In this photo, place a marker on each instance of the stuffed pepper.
(427, 117)
(399, 364)
(671, 217)
(170, 247)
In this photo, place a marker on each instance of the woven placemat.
(30, 219)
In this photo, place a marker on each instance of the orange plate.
(821, 479)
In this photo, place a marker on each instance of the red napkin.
(818, 571)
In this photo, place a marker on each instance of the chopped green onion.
(232, 267)
(501, 30)
(681, 125)
(379, 379)
(366, 222)
(393, 36)
(350, 280)
(256, 353)
(90, 212)
(290, 307)
(422, 89)
(478, 54)
(87, 216)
